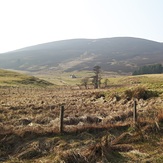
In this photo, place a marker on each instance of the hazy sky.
(30, 22)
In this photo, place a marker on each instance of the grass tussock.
(140, 93)
(97, 152)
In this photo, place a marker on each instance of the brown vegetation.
(97, 125)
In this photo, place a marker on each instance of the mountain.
(119, 54)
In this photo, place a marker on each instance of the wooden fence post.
(61, 119)
(135, 112)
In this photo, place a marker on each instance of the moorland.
(98, 124)
(121, 121)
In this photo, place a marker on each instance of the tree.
(84, 82)
(149, 69)
(106, 83)
(96, 78)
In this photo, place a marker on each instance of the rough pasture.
(94, 120)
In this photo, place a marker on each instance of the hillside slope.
(10, 78)
(120, 54)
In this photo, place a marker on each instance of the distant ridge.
(119, 54)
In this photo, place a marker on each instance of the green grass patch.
(10, 78)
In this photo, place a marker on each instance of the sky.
(30, 22)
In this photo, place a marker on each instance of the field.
(98, 123)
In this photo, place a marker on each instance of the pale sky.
(29, 22)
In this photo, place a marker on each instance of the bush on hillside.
(35, 81)
(139, 93)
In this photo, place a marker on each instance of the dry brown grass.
(29, 120)
(140, 93)
(160, 116)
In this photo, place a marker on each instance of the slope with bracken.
(120, 54)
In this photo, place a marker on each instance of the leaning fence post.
(61, 119)
(135, 112)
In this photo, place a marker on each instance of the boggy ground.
(98, 126)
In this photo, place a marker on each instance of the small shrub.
(128, 94)
(140, 93)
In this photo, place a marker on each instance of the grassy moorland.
(98, 124)
(15, 79)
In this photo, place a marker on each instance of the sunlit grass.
(11, 78)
